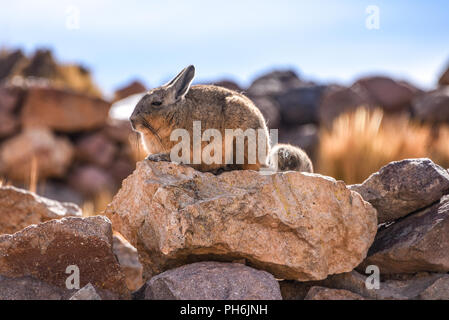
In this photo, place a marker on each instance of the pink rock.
(128, 90)
(63, 110)
(96, 149)
(91, 180)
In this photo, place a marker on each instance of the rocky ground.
(239, 235)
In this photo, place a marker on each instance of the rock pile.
(60, 133)
(239, 235)
(41, 240)
(411, 248)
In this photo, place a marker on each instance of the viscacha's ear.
(181, 83)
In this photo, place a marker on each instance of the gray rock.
(87, 292)
(396, 287)
(439, 290)
(403, 187)
(300, 105)
(128, 259)
(213, 281)
(228, 84)
(321, 293)
(389, 94)
(432, 106)
(44, 251)
(274, 83)
(417, 243)
(20, 208)
(337, 100)
(306, 137)
(270, 110)
(28, 288)
(295, 290)
(356, 282)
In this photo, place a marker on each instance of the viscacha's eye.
(156, 103)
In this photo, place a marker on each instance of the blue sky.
(325, 41)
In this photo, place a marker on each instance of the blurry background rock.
(56, 136)
(61, 137)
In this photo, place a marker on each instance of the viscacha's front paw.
(158, 157)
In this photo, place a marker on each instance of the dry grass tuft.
(97, 205)
(102, 200)
(360, 143)
(32, 185)
(440, 147)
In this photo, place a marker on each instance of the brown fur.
(216, 108)
(289, 158)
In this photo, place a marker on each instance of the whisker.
(154, 132)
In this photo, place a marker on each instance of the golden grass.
(34, 175)
(440, 147)
(97, 205)
(360, 143)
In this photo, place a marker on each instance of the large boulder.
(432, 106)
(35, 148)
(174, 215)
(20, 208)
(45, 252)
(417, 243)
(213, 281)
(402, 187)
(63, 110)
